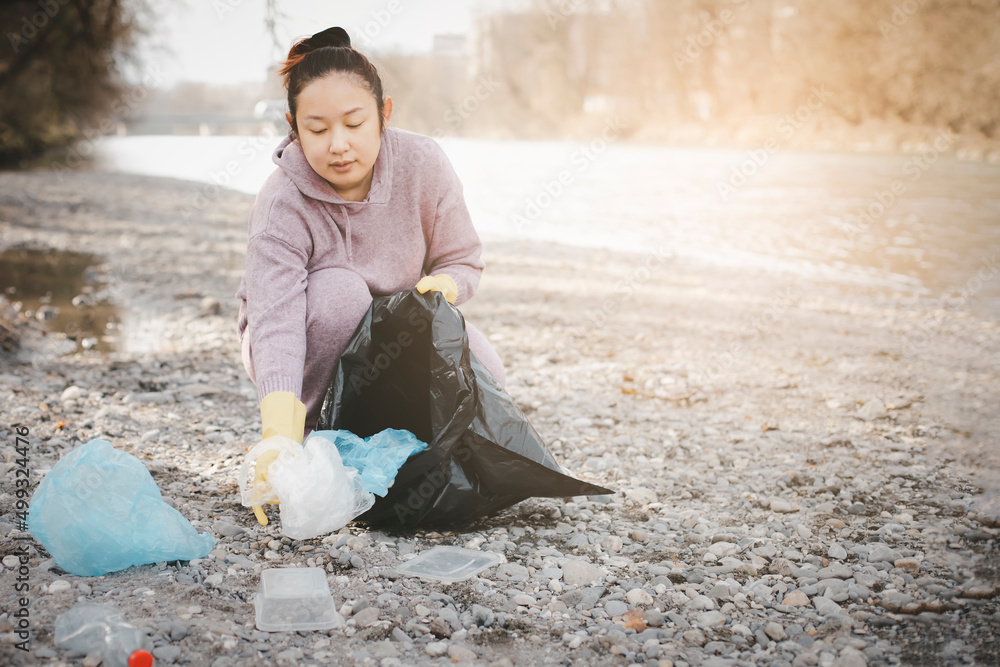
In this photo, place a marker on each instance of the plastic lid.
(448, 564)
(140, 658)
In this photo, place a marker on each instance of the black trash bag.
(408, 366)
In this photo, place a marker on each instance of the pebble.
(435, 649)
(639, 598)
(827, 607)
(795, 599)
(581, 573)
(615, 607)
(782, 506)
(59, 586)
(366, 617)
(461, 654)
(881, 553)
(711, 619)
(775, 631)
(71, 393)
(167, 653)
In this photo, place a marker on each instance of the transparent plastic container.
(295, 598)
(95, 629)
(448, 564)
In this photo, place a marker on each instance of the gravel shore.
(802, 469)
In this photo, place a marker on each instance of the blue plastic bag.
(98, 510)
(378, 457)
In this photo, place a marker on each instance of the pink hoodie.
(413, 223)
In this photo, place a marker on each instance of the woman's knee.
(336, 300)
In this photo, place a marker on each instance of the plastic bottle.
(93, 628)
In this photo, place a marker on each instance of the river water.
(924, 222)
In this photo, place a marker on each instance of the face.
(338, 127)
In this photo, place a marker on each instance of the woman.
(356, 209)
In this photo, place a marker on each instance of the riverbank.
(792, 458)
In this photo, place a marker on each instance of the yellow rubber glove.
(441, 283)
(280, 414)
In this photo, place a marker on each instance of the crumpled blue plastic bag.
(378, 457)
(98, 510)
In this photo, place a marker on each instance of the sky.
(225, 41)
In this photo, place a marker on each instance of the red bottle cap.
(140, 658)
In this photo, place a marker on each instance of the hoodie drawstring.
(347, 229)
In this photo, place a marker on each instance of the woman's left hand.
(441, 283)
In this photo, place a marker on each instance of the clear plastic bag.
(96, 629)
(98, 511)
(316, 492)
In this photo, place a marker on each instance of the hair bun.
(335, 36)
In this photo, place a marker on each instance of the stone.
(615, 607)
(641, 495)
(872, 409)
(696, 637)
(167, 653)
(720, 549)
(214, 580)
(612, 543)
(383, 649)
(653, 618)
(827, 607)
(795, 598)
(580, 573)
(835, 571)
(511, 572)
(782, 506)
(711, 619)
(881, 553)
(700, 603)
(837, 552)
(909, 564)
(775, 631)
(59, 586)
(461, 654)
(639, 597)
(71, 393)
(523, 600)
(366, 617)
(850, 657)
(435, 649)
